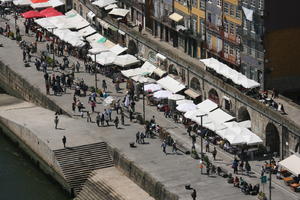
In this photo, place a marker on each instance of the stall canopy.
(22, 2)
(45, 23)
(71, 37)
(147, 68)
(193, 113)
(245, 124)
(87, 31)
(50, 12)
(162, 94)
(160, 56)
(191, 93)
(185, 107)
(176, 97)
(111, 6)
(126, 60)
(152, 87)
(215, 126)
(292, 164)
(119, 12)
(171, 84)
(230, 73)
(219, 116)
(117, 49)
(103, 3)
(39, 1)
(50, 3)
(91, 15)
(159, 72)
(207, 106)
(176, 17)
(183, 101)
(105, 58)
(32, 14)
(142, 79)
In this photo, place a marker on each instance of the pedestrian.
(130, 115)
(189, 130)
(106, 118)
(142, 138)
(47, 88)
(137, 137)
(88, 117)
(164, 146)
(64, 141)
(116, 122)
(194, 194)
(263, 170)
(104, 85)
(109, 112)
(102, 119)
(56, 120)
(93, 105)
(24, 55)
(235, 166)
(208, 169)
(193, 139)
(206, 145)
(248, 168)
(122, 118)
(214, 153)
(174, 147)
(77, 67)
(98, 119)
(241, 166)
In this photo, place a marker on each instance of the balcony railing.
(212, 27)
(231, 38)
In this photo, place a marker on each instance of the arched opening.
(132, 48)
(213, 95)
(272, 139)
(80, 9)
(173, 70)
(243, 114)
(195, 83)
(297, 148)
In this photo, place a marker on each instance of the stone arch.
(132, 48)
(195, 84)
(297, 148)
(172, 70)
(213, 95)
(272, 138)
(243, 114)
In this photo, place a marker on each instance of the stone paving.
(174, 171)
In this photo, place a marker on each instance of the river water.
(20, 179)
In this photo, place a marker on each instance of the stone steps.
(77, 163)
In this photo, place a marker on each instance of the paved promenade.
(174, 171)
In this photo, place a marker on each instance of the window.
(251, 73)
(261, 4)
(226, 8)
(238, 14)
(80, 9)
(75, 7)
(219, 3)
(226, 27)
(232, 10)
(259, 76)
(252, 27)
(226, 48)
(194, 25)
(202, 4)
(195, 3)
(232, 28)
(209, 17)
(202, 29)
(227, 104)
(245, 24)
(252, 3)
(231, 51)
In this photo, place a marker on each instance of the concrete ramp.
(111, 184)
(77, 163)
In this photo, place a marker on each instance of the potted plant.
(261, 196)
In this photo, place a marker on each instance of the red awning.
(39, 1)
(31, 14)
(50, 12)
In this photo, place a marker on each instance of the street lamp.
(202, 115)
(144, 113)
(95, 52)
(270, 157)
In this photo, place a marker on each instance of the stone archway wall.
(195, 84)
(214, 96)
(243, 114)
(273, 138)
(132, 47)
(173, 70)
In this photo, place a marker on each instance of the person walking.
(98, 119)
(122, 118)
(142, 138)
(214, 153)
(174, 147)
(137, 137)
(248, 168)
(102, 119)
(189, 130)
(104, 85)
(93, 105)
(235, 166)
(56, 120)
(241, 166)
(194, 194)
(164, 146)
(206, 145)
(116, 121)
(106, 118)
(88, 117)
(77, 66)
(64, 141)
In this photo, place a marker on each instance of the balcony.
(231, 38)
(212, 27)
(230, 58)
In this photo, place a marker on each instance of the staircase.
(78, 162)
(96, 189)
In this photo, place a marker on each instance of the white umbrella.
(106, 58)
(126, 60)
(190, 114)
(162, 94)
(176, 97)
(185, 107)
(183, 101)
(152, 87)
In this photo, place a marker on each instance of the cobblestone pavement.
(174, 171)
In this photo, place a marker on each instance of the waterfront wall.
(35, 148)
